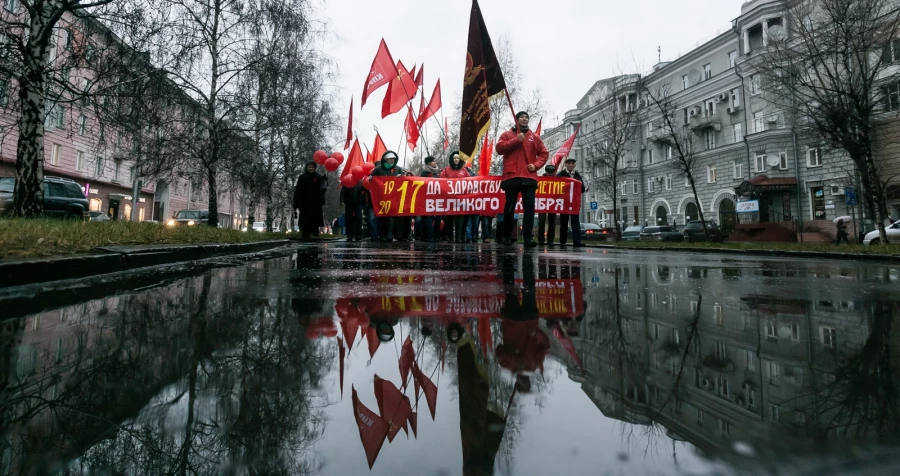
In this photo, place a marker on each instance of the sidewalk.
(817, 254)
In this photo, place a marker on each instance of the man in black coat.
(309, 198)
(352, 199)
(569, 172)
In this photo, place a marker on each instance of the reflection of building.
(691, 348)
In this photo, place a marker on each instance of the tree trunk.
(213, 196)
(699, 205)
(875, 196)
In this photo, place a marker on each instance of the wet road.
(357, 359)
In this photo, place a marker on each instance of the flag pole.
(512, 110)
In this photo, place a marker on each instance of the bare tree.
(831, 70)
(619, 126)
(676, 132)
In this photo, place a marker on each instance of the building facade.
(746, 148)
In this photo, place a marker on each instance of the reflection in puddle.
(350, 360)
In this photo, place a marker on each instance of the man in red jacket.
(523, 154)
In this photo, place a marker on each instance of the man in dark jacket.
(544, 218)
(425, 226)
(352, 200)
(523, 154)
(309, 198)
(389, 168)
(569, 172)
(456, 169)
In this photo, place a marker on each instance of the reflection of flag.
(342, 353)
(428, 387)
(567, 344)
(413, 422)
(374, 343)
(484, 336)
(349, 126)
(393, 405)
(412, 129)
(407, 357)
(401, 91)
(563, 151)
(379, 148)
(434, 104)
(482, 80)
(381, 72)
(372, 429)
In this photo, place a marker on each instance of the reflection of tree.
(862, 399)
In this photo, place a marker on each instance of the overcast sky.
(562, 46)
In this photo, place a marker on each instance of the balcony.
(707, 120)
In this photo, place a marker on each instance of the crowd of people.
(524, 154)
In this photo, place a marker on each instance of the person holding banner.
(523, 154)
(456, 170)
(426, 224)
(389, 168)
(569, 172)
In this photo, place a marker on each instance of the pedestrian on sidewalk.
(309, 198)
(569, 172)
(842, 232)
(523, 154)
(547, 218)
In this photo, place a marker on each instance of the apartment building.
(746, 148)
(104, 167)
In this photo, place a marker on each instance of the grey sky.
(562, 46)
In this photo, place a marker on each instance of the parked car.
(63, 198)
(99, 216)
(595, 232)
(693, 231)
(189, 218)
(893, 234)
(258, 226)
(632, 233)
(661, 233)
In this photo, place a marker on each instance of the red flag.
(537, 132)
(407, 357)
(567, 344)
(342, 352)
(381, 72)
(565, 149)
(446, 137)
(421, 105)
(429, 388)
(393, 406)
(420, 81)
(355, 158)
(379, 149)
(484, 160)
(401, 91)
(369, 158)
(372, 429)
(412, 130)
(434, 104)
(349, 126)
(373, 340)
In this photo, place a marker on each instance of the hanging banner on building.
(419, 196)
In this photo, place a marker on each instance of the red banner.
(420, 196)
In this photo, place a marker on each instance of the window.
(774, 411)
(721, 351)
(782, 161)
(687, 180)
(751, 398)
(634, 187)
(649, 129)
(685, 82)
(759, 122)
(650, 185)
(4, 88)
(669, 182)
(760, 162)
(687, 116)
(808, 22)
(700, 416)
(694, 307)
(724, 386)
(56, 117)
(711, 174)
(738, 134)
(85, 89)
(795, 332)
(735, 98)
(650, 156)
(732, 59)
(82, 125)
(676, 336)
(709, 108)
(11, 5)
(814, 157)
(54, 40)
(828, 336)
(772, 368)
(755, 85)
(770, 330)
(79, 161)
(738, 169)
(100, 167)
(891, 51)
(118, 167)
(751, 359)
(710, 139)
(668, 152)
(724, 428)
(54, 154)
(718, 314)
(707, 71)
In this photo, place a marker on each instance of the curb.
(116, 259)
(768, 253)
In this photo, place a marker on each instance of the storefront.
(773, 197)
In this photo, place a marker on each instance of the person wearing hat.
(388, 168)
(425, 226)
(523, 154)
(569, 172)
(544, 218)
(309, 198)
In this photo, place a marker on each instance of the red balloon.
(368, 167)
(339, 157)
(331, 164)
(320, 157)
(357, 172)
(349, 181)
